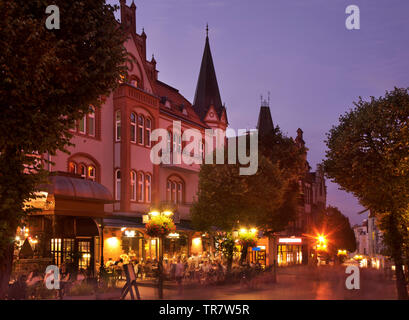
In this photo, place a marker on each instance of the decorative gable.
(211, 115)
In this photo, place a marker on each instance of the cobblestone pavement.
(295, 283)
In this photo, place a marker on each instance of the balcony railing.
(137, 94)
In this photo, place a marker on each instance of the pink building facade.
(111, 152)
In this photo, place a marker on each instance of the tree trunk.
(396, 243)
(243, 253)
(6, 263)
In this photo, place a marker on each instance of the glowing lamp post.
(160, 225)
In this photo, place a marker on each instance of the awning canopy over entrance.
(72, 196)
(67, 187)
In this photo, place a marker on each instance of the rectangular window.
(148, 188)
(148, 132)
(168, 191)
(140, 188)
(140, 129)
(118, 126)
(82, 125)
(91, 122)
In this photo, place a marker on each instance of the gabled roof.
(177, 102)
(207, 90)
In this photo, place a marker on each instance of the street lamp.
(152, 214)
(321, 244)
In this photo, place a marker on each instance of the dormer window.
(134, 83)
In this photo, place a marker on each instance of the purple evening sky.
(298, 50)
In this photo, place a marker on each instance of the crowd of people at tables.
(202, 268)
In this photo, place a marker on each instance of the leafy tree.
(266, 200)
(48, 79)
(368, 155)
(227, 246)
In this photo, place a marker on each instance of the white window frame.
(84, 120)
(74, 165)
(117, 184)
(141, 187)
(133, 185)
(83, 171)
(118, 125)
(179, 192)
(133, 126)
(148, 131)
(91, 119)
(141, 129)
(148, 187)
(92, 177)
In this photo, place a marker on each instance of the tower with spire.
(265, 124)
(207, 102)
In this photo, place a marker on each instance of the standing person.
(179, 271)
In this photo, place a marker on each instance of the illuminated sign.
(130, 233)
(289, 240)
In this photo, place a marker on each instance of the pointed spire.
(265, 124)
(207, 30)
(207, 90)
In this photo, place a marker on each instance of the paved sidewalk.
(293, 283)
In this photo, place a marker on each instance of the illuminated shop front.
(289, 251)
(126, 239)
(65, 231)
(258, 255)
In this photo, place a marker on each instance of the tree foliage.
(368, 155)
(266, 200)
(48, 79)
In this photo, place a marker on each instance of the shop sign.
(290, 240)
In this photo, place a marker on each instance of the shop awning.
(67, 195)
(120, 223)
(137, 223)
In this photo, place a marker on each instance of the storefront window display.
(289, 254)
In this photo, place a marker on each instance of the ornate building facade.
(101, 190)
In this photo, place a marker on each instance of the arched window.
(148, 129)
(118, 126)
(91, 121)
(173, 192)
(141, 124)
(83, 171)
(118, 184)
(148, 187)
(82, 125)
(169, 191)
(134, 83)
(133, 185)
(72, 167)
(91, 173)
(133, 127)
(180, 193)
(140, 187)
